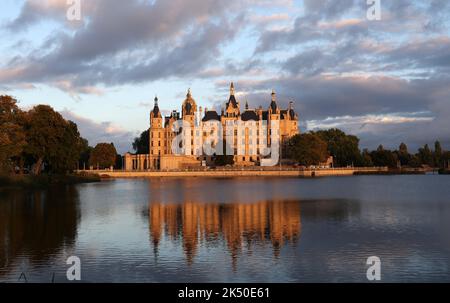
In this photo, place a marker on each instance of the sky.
(386, 81)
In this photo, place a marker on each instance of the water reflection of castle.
(237, 225)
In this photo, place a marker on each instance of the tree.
(366, 158)
(224, 159)
(425, 155)
(66, 157)
(308, 149)
(438, 154)
(403, 154)
(12, 135)
(52, 140)
(103, 155)
(344, 148)
(414, 161)
(383, 157)
(141, 144)
(446, 159)
(85, 154)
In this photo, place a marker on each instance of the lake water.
(230, 230)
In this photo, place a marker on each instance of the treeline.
(313, 148)
(41, 140)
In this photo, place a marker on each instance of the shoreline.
(45, 181)
(230, 173)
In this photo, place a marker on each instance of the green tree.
(85, 154)
(224, 159)
(12, 134)
(425, 155)
(438, 154)
(308, 149)
(403, 154)
(414, 161)
(366, 158)
(344, 148)
(51, 140)
(141, 144)
(66, 157)
(384, 157)
(446, 159)
(103, 155)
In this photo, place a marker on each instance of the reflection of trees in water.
(36, 223)
(238, 224)
(336, 209)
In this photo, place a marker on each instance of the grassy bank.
(43, 181)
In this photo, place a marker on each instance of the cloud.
(389, 108)
(125, 42)
(381, 80)
(34, 11)
(102, 132)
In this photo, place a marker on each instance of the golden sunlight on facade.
(245, 146)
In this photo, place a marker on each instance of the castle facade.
(196, 136)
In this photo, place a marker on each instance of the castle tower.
(273, 115)
(156, 136)
(273, 108)
(189, 108)
(232, 108)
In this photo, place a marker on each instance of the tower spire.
(274, 96)
(232, 89)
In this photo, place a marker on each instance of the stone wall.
(239, 173)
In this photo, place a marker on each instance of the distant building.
(245, 146)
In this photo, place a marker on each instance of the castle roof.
(232, 101)
(273, 103)
(189, 104)
(265, 115)
(211, 115)
(249, 115)
(156, 112)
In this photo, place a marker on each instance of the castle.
(260, 128)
